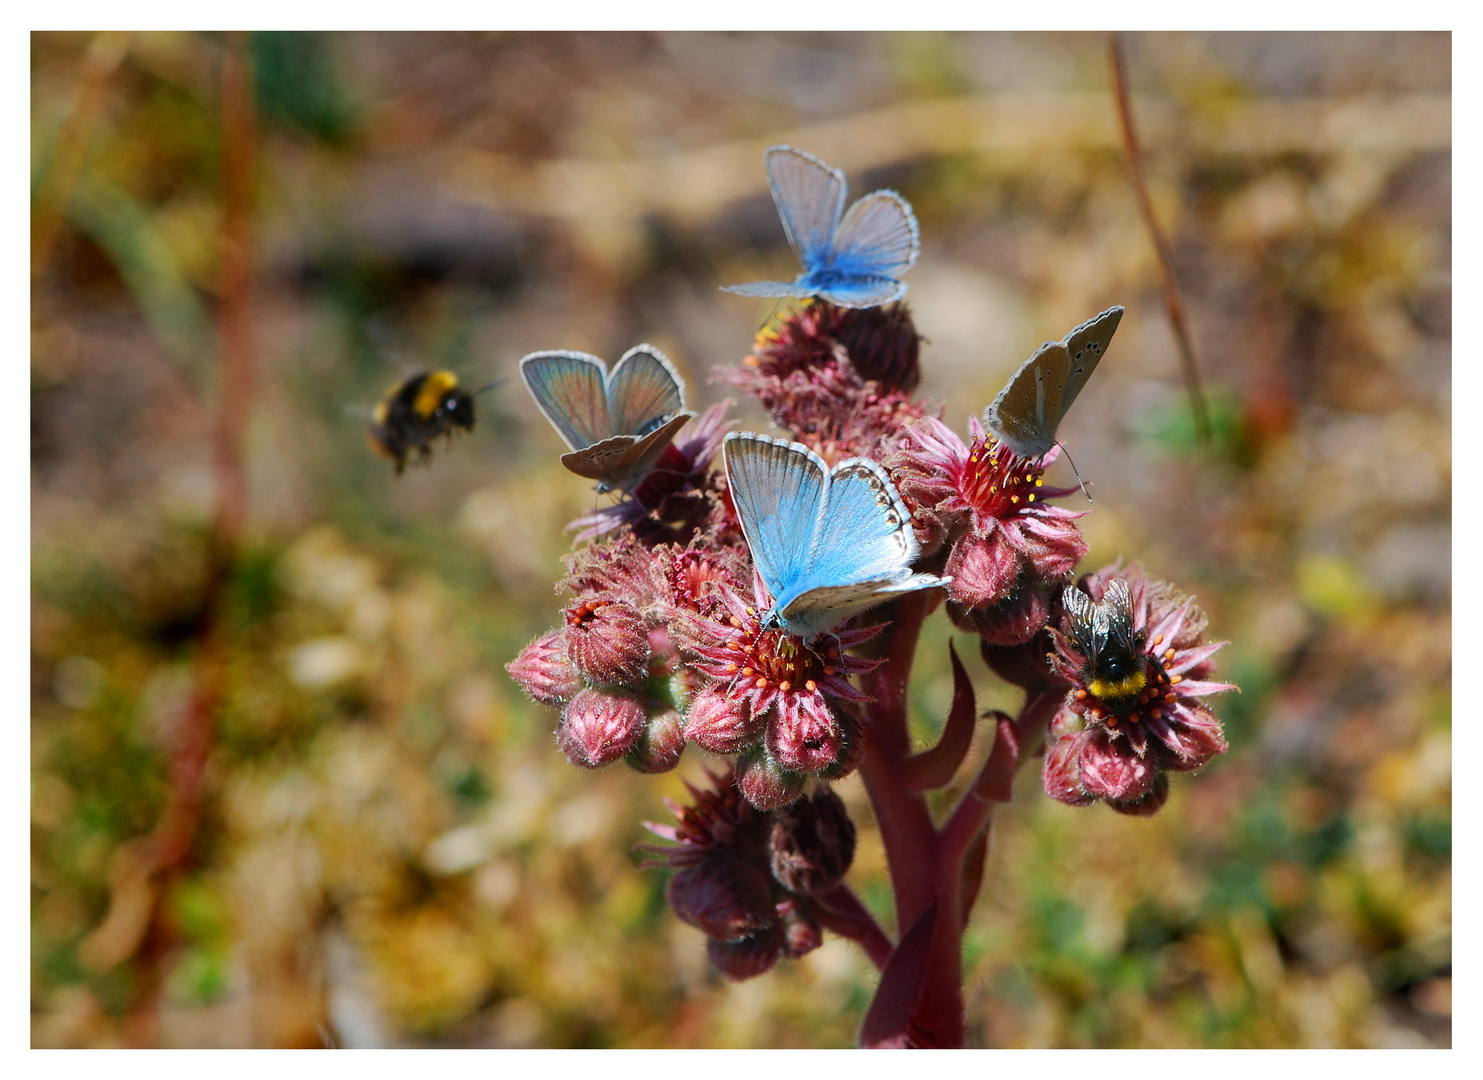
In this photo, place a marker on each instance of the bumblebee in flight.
(416, 411)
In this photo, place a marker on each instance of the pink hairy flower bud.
(607, 641)
(542, 670)
(1148, 803)
(851, 746)
(721, 723)
(804, 736)
(600, 726)
(766, 784)
(801, 931)
(722, 895)
(749, 957)
(660, 744)
(812, 844)
(984, 569)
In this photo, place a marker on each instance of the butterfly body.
(852, 257)
(417, 410)
(827, 543)
(1025, 415)
(616, 424)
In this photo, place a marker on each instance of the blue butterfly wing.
(810, 197)
(570, 389)
(861, 292)
(643, 391)
(770, 288)
(777, 488)
(862, 554)
(877, 237)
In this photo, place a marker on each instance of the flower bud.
(984, 569)
(851, 746)
(739, 960)
(607, 641)
(801, 931)
(542, 670)
(766, 784)
(1148, 803)
(1060, 775)
(882, 344)
(812, 844)
(660, 744)
(721, 723)
(803, 737)
(600, 726)
(723, 896)
(1012, 622)
(1110, 771)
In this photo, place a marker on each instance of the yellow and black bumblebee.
(418, 410)
(1115, 667)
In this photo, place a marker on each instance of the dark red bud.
(740, 960)
(727, 898)
(801, 931)
(812, 844)
(1146, 804)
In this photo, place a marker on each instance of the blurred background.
(283, 792)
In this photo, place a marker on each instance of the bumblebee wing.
(1117, 607)
(1081, 620)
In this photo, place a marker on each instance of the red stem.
(840, 911)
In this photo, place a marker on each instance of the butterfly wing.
(570, 389)
(644, 391)
(777, 488)
(878, 236)
(770, 288)
(862, 292)
(861, 555)
(810, 198)
(1025, 414)
(623, 460)
(1087, 344)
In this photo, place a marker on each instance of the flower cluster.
(751, 879)
(1009, 548)
(1118, 735)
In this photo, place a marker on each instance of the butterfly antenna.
(770, 315)
(1079, 480)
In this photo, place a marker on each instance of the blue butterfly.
(616, 425)
(851, 258)
(828, 543)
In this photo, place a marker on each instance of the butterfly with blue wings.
(827, 543)
(617, 424)
(853, 257)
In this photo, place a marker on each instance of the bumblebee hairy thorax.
(416, 411)
(1115, 667)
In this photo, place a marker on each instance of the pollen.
(785, 686)
(811, 686)
(1175, 679)
(749, 672)
(1155, 713)
(761, 683)
(1032, 497)
(734, 645)
(1112, 722)
(1081, 695)
(1158, 639)
(735, 622)
(731, 669)
(752, 612)
(828, 670)
(1039, 482)
(1014, 498)
(1168, 654)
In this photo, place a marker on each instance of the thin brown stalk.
(54, 193)
(1172, 302)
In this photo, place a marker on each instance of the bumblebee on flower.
(1133, 651)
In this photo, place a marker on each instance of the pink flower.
(607, 641)
(1137, 663)
(771, 685)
